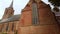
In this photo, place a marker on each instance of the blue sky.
(18, 5)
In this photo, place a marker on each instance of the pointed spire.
(11, 4)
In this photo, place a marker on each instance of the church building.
(35, 18)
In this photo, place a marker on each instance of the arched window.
(34, 13)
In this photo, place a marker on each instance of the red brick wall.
(4, 28)
(0, 27)
(48, 23)
(9, 31)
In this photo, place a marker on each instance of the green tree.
(56, 4)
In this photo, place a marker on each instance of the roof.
(57, 13)
(13, 18)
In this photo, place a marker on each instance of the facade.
(35, 18)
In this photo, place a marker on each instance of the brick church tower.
(8, 11)
(37, 18)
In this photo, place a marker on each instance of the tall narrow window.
(12, 26)
(34, 14)
(7, 27)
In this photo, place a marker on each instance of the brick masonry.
(48, 23)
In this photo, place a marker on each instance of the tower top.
(11, 4)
